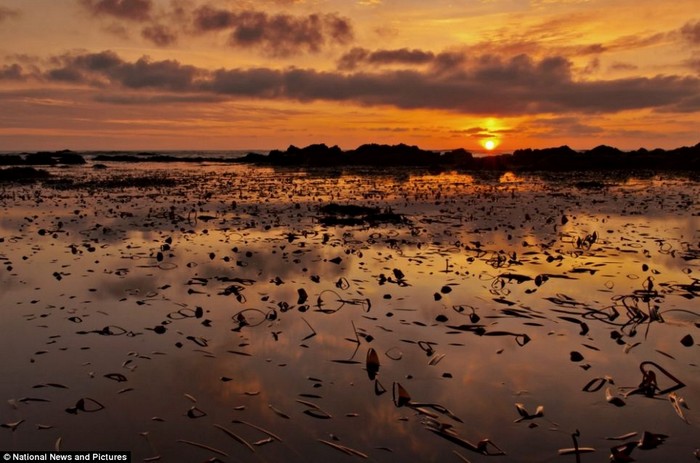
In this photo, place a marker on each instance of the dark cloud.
(277, 34)
(492, 86)
(102, 61)
(165, 75)
(135, 10)
(520, 71)
(11, 72)
(107, 68)
(251, 28)
(284, 35)
(357, 56)
(338, 28)
(353, 58)
(448, 61)
(689, 105)
(260, 83)
(7, 13)
(482, 85)
(631, 93)
(159, 35)
(402, 55)
(442, 62)
(65, 74)
(207, 18)
(180, 11)
(691, 32)
(86, 68)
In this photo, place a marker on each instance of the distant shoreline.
(561, 158)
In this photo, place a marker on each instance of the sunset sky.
(203, 74)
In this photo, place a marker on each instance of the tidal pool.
(236, 313)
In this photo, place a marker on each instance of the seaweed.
(353, 215)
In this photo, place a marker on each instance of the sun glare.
(489, 144)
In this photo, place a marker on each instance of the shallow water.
(221, 299)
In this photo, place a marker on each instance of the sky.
(264, 74)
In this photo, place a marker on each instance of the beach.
(245, 313)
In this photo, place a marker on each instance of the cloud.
(7, 13)
(277, 34)
(592, 66)
(633, 42)
(353, 58)
(584, 50)
(159, 35)
(489, 86)
(117, 30)
(621, 66)
(474, 132)
(483, 85)
(694, 62)
(447, 61)
(691, 32)
(566, 35)
(338, 28)
(157, 99)
(11, 72)
(689, 105)
(284, 35)
(65, 74)
(288, 2)
(560, 126)
(357, 56)
(440, 63)
(260, 83)
(207, 18)
(107, 68)
(165, 75)
(135, 10)
(521, 71)
(96, 61)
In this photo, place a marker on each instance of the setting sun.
(489, 144)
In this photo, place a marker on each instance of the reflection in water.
(215, 315)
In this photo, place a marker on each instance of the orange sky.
(194, 74)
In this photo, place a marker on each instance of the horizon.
(167, 75)
(477, 152)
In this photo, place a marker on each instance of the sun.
(489, 145)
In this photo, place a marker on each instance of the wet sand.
(225, 311)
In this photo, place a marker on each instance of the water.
(266, 317)
(213, 154)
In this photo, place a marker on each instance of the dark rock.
(22, 174)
